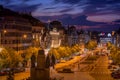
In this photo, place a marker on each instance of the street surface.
(101, 71)
(96, 71)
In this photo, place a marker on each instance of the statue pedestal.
(32, 73)
(40, 74)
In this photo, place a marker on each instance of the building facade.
(15, 32)
(37, 32)
(55, 38)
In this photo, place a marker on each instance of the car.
(17, 70)
(113, 68)
(116, 74)
(66, 70)
(3, 72)
(62, 61)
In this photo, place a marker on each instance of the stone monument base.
(40, 74)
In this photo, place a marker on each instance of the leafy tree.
(91, 44)
(76, 48)
(115, 53)
(55, 53)
(9, 58)
(109, 45)
(68, 50)
(28, 53)
(61, 51)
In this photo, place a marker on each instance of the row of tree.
(114, 52)
(10, 58)
(64, 51)
(92, 44)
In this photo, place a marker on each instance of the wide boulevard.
(98, 70)
(82, 71)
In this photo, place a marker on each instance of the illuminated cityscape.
(59, 40)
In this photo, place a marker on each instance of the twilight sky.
(96, 10)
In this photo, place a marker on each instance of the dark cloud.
(24, 7)
(9, 1)
(26, 0)
(95, 6)
(74, 7)
(101, 6)
(49, 8)
(68, 1)
(66, 10)
(5, 1)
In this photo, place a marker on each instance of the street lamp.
(24, 36)
(4, 31)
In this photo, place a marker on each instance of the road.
(95, 71)
(100, 71)
(80, 72)
(23, 75)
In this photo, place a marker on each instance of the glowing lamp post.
(24, 36)
(4, 31)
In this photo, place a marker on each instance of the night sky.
(94, 10)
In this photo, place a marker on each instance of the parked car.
(14, 70)
(17, 70)
(66, 70)
(113, 68)
(116, 74)
(3, 72)
(62, 61)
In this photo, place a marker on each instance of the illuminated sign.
(102, 34)
(109, 35)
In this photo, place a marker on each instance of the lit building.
(56, 33)
(15, 32)
(83, 37)
(55, 38)
(37, 32)
(106, 37)
(72, 36)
